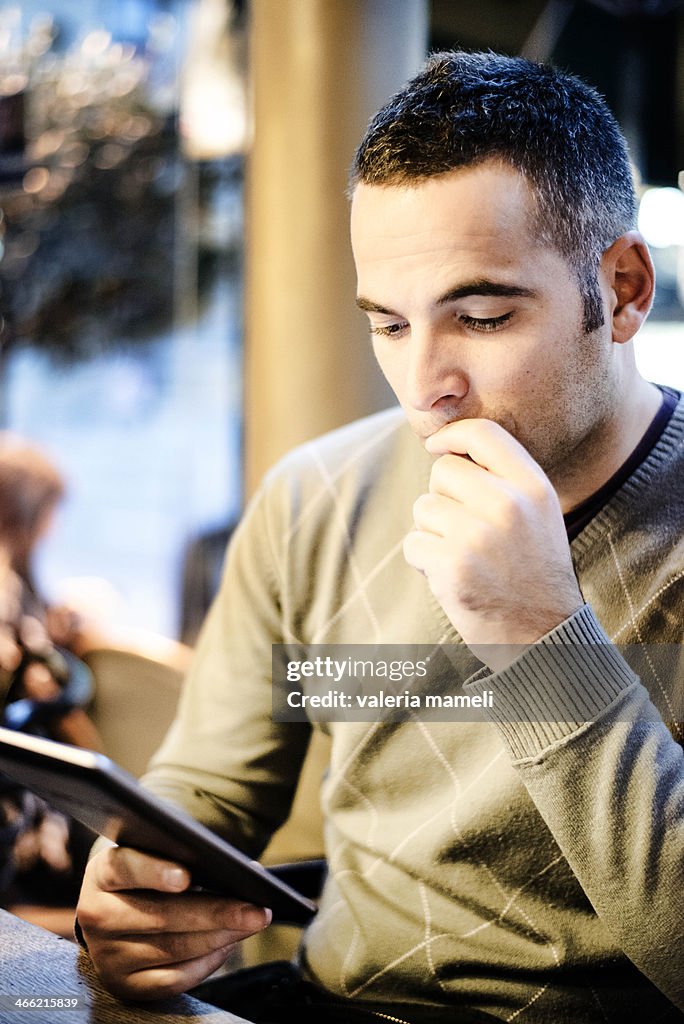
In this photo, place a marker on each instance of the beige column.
(319, 69)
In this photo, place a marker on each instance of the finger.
(161, 982)
(147, 912)
(423, 551)
(176, 978)
(466, 482)
(488, 444)
(438, 514)
(122, 868)
(191, 912)
(138, 952)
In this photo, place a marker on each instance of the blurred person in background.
(37, 641)
(44, 687)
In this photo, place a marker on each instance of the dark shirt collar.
(579, 517)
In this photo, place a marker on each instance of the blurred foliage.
(92, 240)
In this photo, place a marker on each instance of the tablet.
(91, 788)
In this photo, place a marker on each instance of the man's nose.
(434, 374)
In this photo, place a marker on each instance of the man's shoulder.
(359, 472)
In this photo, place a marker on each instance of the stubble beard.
(578, 435)
(578, 412)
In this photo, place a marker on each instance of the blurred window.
(120, 278)
(658, 345)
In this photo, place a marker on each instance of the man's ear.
(628, 270)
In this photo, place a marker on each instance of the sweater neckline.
(671, 439)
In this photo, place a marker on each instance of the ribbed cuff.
(568, 678)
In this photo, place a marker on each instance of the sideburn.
(593, 316)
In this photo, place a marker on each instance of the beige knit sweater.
(529, 869)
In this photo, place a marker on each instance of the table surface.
(35, 964)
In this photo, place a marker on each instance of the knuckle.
(108, 869)
(439, 472)
(417, 507)
(88, 916)
(481, 537)
(510, 511)
(109, 876)
(94, 912)
(422, 507)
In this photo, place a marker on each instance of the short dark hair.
(465, 108)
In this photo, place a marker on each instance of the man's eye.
(389, 330)
(488, 323)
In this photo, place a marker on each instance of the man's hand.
(147, 935)
(491, 541)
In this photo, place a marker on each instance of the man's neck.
(609, 447)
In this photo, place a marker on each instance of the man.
(524, 868)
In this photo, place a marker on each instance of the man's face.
(471, 316)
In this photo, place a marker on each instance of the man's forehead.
(485, 212)
(491, 197)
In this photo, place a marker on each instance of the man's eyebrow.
(485, 287)
(372, 307)
(479, 287)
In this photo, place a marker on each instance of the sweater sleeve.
(607, 776)
(224, 759)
